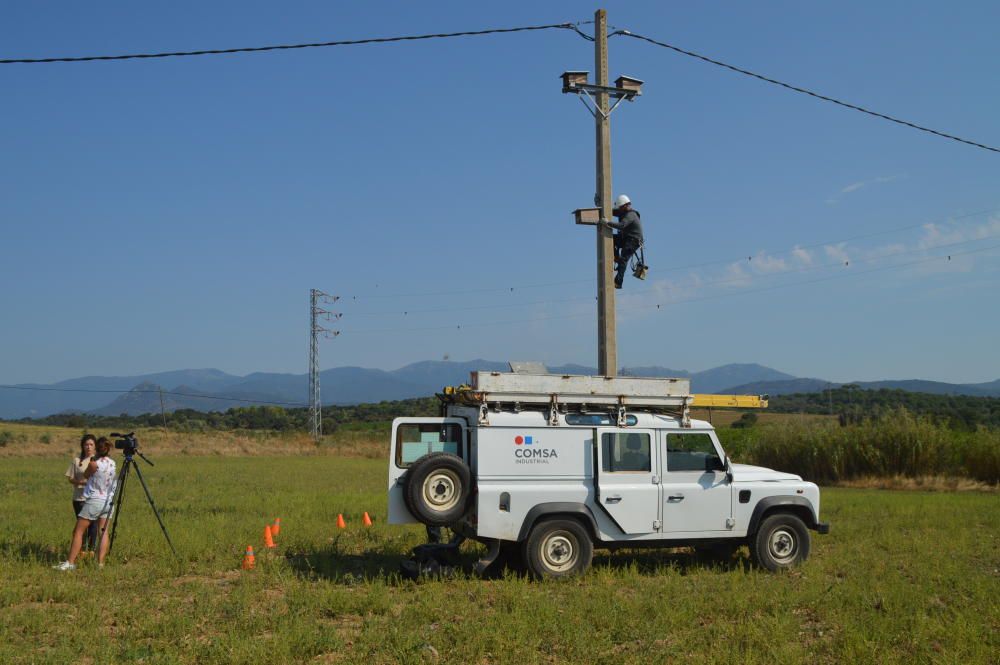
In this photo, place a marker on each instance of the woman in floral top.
(98, 504)
(75, 476)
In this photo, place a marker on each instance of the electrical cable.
(836, 242)
(774, 253)
(801, 269)
(526, 321)
(795, 88)
(647, 307)
(287, 47)
(468, 33)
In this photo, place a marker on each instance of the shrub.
(896, 444)
(982, 456)
(748, 419)
(6, 436)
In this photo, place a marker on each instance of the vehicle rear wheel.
(558, 548)
(437, 489)
(781, 542)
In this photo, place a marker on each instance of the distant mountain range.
(214, 390)
(788, 387)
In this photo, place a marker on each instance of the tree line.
(851, 404)
(273, 418)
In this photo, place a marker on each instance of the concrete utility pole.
(599, 94)
(315, 330)
(607, 342)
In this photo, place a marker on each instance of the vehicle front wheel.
(781, 542)
(558, 548)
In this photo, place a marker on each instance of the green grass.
(905, 577)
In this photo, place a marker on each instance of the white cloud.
(803, 256)
(837, 252)
(743, 274)
(764, 264)
(941, 234)
(861, 184)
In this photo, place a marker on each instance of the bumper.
(823, 527)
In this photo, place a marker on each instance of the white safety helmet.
(621, 201)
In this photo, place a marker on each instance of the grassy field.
(904, 577)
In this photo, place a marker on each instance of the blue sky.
(160, 214)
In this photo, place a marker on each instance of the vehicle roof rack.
(569, 392)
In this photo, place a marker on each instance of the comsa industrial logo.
(532, 455)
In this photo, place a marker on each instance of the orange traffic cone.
(276, 527)
(248, 560)
(340, 521)
(367, 521)
(268, 540)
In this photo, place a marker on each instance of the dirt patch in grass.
(219, 579)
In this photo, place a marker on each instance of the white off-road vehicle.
(545, 468)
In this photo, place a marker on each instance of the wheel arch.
(794, 505)
(568, 509)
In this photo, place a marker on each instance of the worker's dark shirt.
(629, 227)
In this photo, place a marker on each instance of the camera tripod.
(130, 463)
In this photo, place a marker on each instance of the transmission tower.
(317, 298)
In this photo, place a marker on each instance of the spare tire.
(438, 487)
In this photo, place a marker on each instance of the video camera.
(126, 442)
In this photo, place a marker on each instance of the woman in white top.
(98, 503)
(75, 476)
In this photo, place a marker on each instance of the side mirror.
(713, 463)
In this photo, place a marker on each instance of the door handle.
(614, 498)
(675, 498)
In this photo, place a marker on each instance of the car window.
(625, 452)
(688, 452)
(596, 419)
(414, 440)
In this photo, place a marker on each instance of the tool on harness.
(639, 267)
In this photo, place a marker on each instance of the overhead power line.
(525, 321)
(718, 282)
(687, 266)
(289, 47)
(574, 26)
(795, 88)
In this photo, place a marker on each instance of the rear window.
(414, 440)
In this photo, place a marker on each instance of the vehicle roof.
(540, 419)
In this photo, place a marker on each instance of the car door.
(627, 478)
(695, 500)
(412, 438)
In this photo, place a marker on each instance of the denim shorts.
(96, 508)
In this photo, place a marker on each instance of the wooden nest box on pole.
(571, 80)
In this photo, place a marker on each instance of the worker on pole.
(629, 239)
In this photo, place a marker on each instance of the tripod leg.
(152, 505)
(119, 500)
